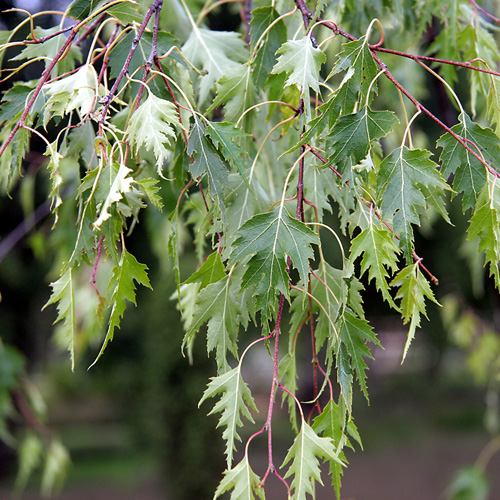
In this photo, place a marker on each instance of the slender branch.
(91, 28)
(43, 79)
(483, 11)
(269, 418)
(106, 100)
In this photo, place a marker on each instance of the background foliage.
(299, 154)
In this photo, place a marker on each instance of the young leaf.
(151, 127)
(379, 256)
(216, 52)
(63, 292)
(406, 176)
(304, 454)
(470, 173)
(235, 401)
(217, 305)
(353, 134)
(123, 289)
(77, 91)
(485, 225)
(268, 238)
(243, 482)
(413, 289)
(301, 61)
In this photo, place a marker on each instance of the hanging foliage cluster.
(306, 125)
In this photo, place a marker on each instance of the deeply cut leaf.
(235, 401)
(243, 482)
(353, 134)
(304, 454)
(151, 127)
(413, 289)
(122, 286)
(301, 62)
(217, 305)
(470, 173)
(379, 256)
(406, 178)
(268, 238)
(485, 225)
(63, 292)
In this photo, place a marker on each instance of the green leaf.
(413, 289)
(332, 423)
(301, 61)
(485, 225)
(211, 271)
(353, 134)
(406, 178)
(80, 9)
(63, 292)
(356, 55)
(122, 288)
(493, 102)
(269, 238)
(379, 256)
(151, 189)
(243, 482)
(223, 137)
(216, 52)
(49, 49)
(235, 401)
(236, 90)
(331, 293)
(304, 454)
(120, 52)
(261, 20)
(287, 373)
(151, 127)
(207, 162)
(354, 334)
(217, 305)
(15, 99)
(470, 173)
(127, 12)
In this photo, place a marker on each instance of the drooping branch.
(106, 100)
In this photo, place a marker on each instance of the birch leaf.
(151, 126)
